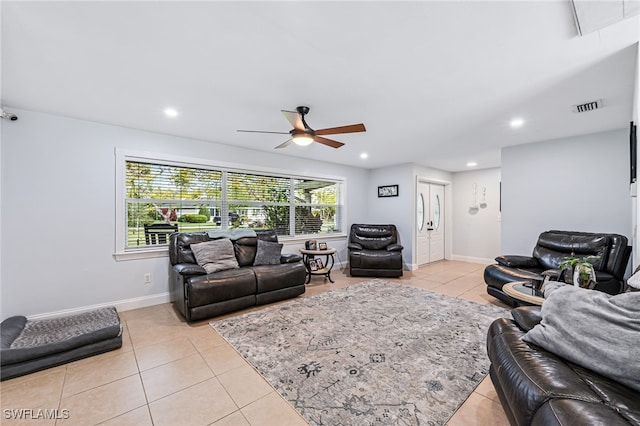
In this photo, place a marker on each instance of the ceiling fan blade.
(353, 128)
(294, 119)
(284, 144)
(328, 142)
(261, 131)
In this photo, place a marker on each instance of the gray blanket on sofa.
(593, 329)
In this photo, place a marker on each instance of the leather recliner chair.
(374, 251)
(551, 249)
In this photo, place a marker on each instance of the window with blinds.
(162, 198)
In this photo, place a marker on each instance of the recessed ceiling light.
(516, 122)
(472, 164)
(364, 155)
(170, 112)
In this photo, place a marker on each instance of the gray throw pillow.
(215, 255)
(592, 329)
(268, 253)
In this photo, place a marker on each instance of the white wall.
(476, 234)
(58, 211)
(393, 210)
(576, 184)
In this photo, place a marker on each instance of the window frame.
(123, 155)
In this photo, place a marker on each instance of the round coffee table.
(308, 258)
(519, 291)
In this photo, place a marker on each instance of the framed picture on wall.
(388, 191)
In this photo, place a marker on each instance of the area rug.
(375, 353)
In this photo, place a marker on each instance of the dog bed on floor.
(27, 346)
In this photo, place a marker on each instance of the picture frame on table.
(322, 246)
(313, 266)
(388, 191)
(310, 245)
(319, 264)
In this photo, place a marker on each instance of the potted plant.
(579, 270)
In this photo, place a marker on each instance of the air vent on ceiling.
(588, 106)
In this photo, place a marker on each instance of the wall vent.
(588, 106)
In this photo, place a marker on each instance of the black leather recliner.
(374, 251)
(539, 388)
(551, 249)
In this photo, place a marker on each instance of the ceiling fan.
(302, 134)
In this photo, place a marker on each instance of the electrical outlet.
(147, 278)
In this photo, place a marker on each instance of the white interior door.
(430, 223)
(422, 217)
(436, 222)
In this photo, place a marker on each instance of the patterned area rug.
(375, 353)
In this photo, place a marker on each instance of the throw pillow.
(215, 255)
(268, 253)
(592, 329)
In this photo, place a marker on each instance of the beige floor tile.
(479, 410)
(105, 402)
(37, 374)
(201, 404)
(151, 312)
(467, 281)
(486, 388)
(453, 291)
(425, 284)
(162, 353)
(272, 410)
(145, 332)
(223, 358)
(204, 337)
(174, 376)
(245, 385)
(234, 419)
(138, 417)
(94, 372)
(40, 390)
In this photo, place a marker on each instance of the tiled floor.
(169, 372)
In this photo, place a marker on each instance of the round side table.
(309, 260)
(519, 291)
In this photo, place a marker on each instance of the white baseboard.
(121, 305)
(472, 259)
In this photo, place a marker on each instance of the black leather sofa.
(198, 295)
(374, 251)
(537, 387)
(552, 248)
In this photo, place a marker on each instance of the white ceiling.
(435, 83)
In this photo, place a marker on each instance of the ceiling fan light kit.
(303, 135)
(302, 140)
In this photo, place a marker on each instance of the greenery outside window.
(205, 197)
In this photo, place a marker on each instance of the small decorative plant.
(582, 266)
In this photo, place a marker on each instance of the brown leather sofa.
(198, 295)
(537, 387)
(374, 251)
(553, 247)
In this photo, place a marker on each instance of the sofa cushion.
(268, 253)
(592, 329)
(215, 255)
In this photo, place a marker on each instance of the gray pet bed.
(27, 346)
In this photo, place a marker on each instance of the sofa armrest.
(394, 247)
(354, 246)
(526, 317)
(189, 269)
(515, 261)
(290, 258)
